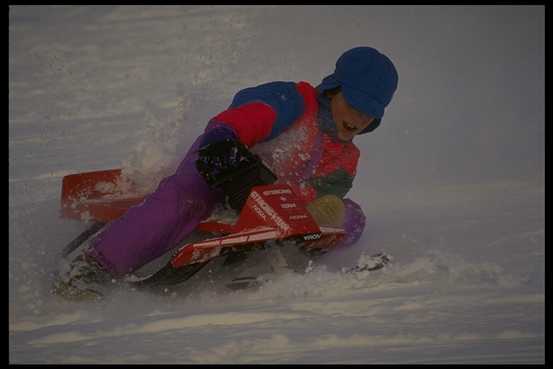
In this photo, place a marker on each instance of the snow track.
(451, 185)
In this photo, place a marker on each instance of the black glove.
(219, 160)
(228, 165)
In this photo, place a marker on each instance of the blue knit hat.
(368, 80)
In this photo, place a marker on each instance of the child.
(304, 134)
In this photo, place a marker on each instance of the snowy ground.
(451, 184)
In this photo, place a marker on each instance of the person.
(304, 134)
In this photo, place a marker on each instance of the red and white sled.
(271, 212)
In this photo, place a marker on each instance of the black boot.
(85, 280)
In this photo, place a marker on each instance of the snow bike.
(266, 215)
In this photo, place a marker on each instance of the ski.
(81, 238)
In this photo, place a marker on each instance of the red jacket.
(281, 122)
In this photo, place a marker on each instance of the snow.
(452, 183)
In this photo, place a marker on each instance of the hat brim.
(355, 98)
(360, 101)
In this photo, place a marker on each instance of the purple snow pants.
(166, 216)
(354, 223)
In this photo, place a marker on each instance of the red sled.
(271, 212)
(100, 196)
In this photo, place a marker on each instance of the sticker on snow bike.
(270, 211)
(263, 236)
(234, 240)
(281, 191)
(205, 250)
(312, 237)
(298, 217)
(259, 212)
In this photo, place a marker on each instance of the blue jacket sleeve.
(282, 97)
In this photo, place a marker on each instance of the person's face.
(349, 121)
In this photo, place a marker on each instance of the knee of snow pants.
(354, 223)
(166, 216)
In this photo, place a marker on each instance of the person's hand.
(328, 210)
(222, 158)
